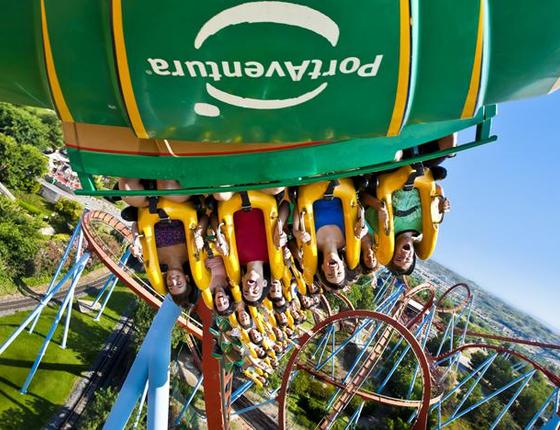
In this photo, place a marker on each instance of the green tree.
(531, 399)
(19, 239)
(54, 126)
(498, 375)
(143, 317)
(477, 358)
(395, 424)
(99, 408)
(6, 283)
(25, 127)
(300, 385)
(20, 165)
(362, 294)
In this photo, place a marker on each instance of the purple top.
(169, 233)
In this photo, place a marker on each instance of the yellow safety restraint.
(233, 320)
(269, 308)
(249, 345)
(272, 319)
(300, 282)
(186, 213)
(290, 318)
(262, 325)
(243, 334)
(429, 194)
(251, 375)
(307, 195)
(257, 200)
(266, 345)
(287, 284)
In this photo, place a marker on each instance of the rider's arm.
(299, 230)
(284, 212)
(129, 184)
(221, 242)
(379, 205)
(444, 204)
(172, 184)
(199, 231)
(368, 200)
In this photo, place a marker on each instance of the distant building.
(50, 193)
(61, 173)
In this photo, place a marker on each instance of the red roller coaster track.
(421, 421)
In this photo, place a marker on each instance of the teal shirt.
(407, 212)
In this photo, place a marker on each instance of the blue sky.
(504, 228)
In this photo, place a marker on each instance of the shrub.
(98, 410)
(7, 285)
(143, 317)
(48, 257)
(67, 214)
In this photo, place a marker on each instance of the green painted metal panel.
(83, 53)
(446, 48)
(525, 49)
(279, 167)
(521, 58)
(22, 66)
(272, 62)
(274, 71)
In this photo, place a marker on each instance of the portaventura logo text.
(254, 69)
(265, 12)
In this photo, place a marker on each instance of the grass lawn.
(34, 204)
(59, 368)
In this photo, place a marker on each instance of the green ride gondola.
(248, 94)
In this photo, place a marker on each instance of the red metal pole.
(211, 371)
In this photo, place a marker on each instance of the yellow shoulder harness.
(300, 282)
(262, 325)
(267, 204)
(251, 375)
(428, 194)
(425, 184)
(307, 195)
(186, 213)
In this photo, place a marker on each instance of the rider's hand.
(444, 205)
(280, 237)
(360, 228)
(136, 248)
(302, 236)
(198, 240)
(287, 254)
(221, 242)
